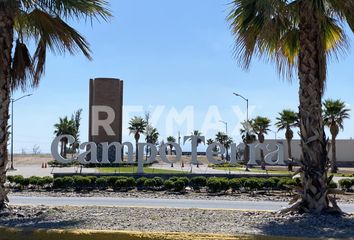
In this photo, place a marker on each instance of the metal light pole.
(247, 120)
(12, 128)
(246, 99)
(225, 125)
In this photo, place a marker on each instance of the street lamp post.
(247, 120)
(12, 128)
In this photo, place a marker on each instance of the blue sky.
(170, 53)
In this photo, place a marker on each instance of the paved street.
(156, 203)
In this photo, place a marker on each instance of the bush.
(158, 181)
(68, 182)
(150, 184)
(213, 185)
(198, 182)
(169, 184)
(184, 179)
(121, 184)
(101, 183)
(224, 184)
(18, 179)
(269, 183)
(333, 185)
(179, 186)
(81, 182)
(173, 179)
(275, 180)
(252, 184)
(131, 183)
(58, 182)
(10, 179)
(140, 183)
(34, 180)
(346, 184)
(111, 181)
(235, 184)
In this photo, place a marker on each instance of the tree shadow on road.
(307, 225)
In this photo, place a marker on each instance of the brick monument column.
(106, 92)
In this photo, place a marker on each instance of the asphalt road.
(156, 203)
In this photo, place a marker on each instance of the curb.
(37, 234)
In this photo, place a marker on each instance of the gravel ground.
(275, 196)
(178, 220)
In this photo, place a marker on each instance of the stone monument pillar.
(106, 104)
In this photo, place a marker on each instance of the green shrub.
(169, 184)
(81, 182)
(269, 183)
(111, 181)
(131, 183)
(140, 183)
(121, 184)
(275, 180)
(58, 182)
(34, 180)
(10, 179)
(224, 184)
(346, 184)
(158, 181)
(150, 184)
(213, 184)
(68, 182)
(179, 186)
(93, 180)
(252, 184)
(47, 180)
(184, 179)
(198, 182)
(18, 179)
(333, 185)
(235, 184)
(282, 183)
(173, 179)
(25, 182)
(243, 181)
(101, 183)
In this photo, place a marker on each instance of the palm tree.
(197, 134)
(221, 138)
(64, 127)
(137, 126)
(76, 118)
(152, 136)
(248, 137)
(334, 114)
(298, 35)
(172, 140)
(40, 23)
(260, 127)
(287, 120)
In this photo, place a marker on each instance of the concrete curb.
(37, 234)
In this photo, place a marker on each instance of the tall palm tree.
(152, 136)
(197, 133)
(260, 127)
(76, 118)
(172, 140)
(65, 126)
(334, 114)
(248, 137)
(287, 120)
(222, 138)
(137, 126)
(298, 35)
(41, 23)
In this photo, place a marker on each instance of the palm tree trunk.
(136, 150)
(262, 160)
(6, 40)
(290, 157)
(312, 77)
(334, 167)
